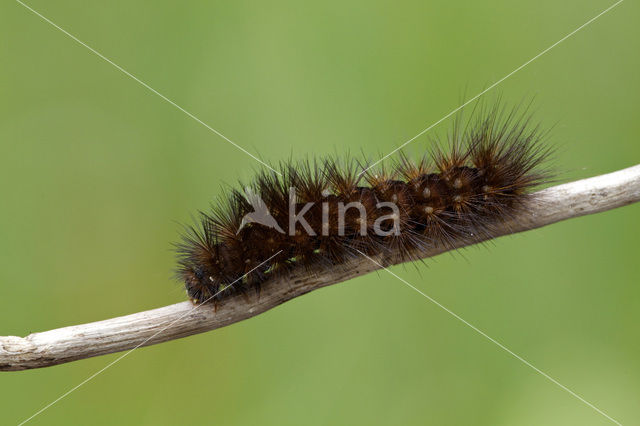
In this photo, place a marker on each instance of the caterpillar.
(324, 212)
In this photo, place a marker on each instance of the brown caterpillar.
(326, 212)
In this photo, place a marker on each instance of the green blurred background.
(97, 172)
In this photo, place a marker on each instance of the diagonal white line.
(391, 153)
(127, 73)
(494, 84)
(492, 340)
(140, 344)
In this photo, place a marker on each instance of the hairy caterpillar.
(324, 212)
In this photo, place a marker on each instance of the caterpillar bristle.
(322, 213)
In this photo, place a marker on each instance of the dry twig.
(76, 342)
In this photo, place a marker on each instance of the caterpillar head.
(204, 271)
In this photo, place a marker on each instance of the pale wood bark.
(159, 325)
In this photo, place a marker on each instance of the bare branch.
(66, 344)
